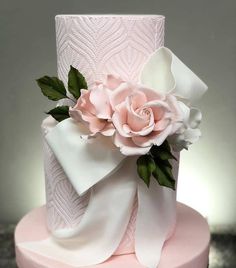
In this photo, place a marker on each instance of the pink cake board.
(187, 248)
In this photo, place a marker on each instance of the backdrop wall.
(201, 33)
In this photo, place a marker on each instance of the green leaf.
(162, 152)
(76, 82)
(163, 175)
(164, 155)
(145, 167)
(166, 146)
(163, 162)
(52, 87)
(60, 113)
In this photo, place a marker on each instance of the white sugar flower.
(189, 132)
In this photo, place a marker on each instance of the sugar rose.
(142, 118)
(93, 107)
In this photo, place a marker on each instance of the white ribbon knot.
(99, 166)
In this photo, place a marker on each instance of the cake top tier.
(130, 16)
(98, 45)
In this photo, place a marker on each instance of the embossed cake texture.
(96, 45)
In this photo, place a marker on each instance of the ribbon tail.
(102, 227)
(155, 221)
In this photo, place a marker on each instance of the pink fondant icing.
(187, 248)
(96, 45)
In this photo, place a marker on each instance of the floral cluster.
(150, 118)
(136, 116)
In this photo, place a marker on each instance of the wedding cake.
(125, 109)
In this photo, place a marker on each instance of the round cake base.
(187, 248)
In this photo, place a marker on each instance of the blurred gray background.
(202, 33)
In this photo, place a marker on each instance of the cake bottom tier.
(187, 248)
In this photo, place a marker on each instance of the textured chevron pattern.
(127, 243)
(64, 207)
(97, 45)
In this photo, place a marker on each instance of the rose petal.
(119, 119)
(159, 108)
(100, 100)
(112, 81)
(135, 119)
(137, 123)
(84, 102)
(151, 94)
(96, 124)
(137, 99)
(162, 124)
(120, 94)
(155, 138)
(75, 114)
(127, 147)
(108, 130)
(158, 103)
(144, 132)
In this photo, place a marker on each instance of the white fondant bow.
(97, 165)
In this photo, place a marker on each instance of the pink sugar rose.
(94, 108)
(139, 116)
(142, 118)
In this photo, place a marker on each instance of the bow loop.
(84, 162)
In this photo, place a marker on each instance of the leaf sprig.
(54, 89)
(60, 113)
(157, 163)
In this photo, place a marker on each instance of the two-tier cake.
(125, 109)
